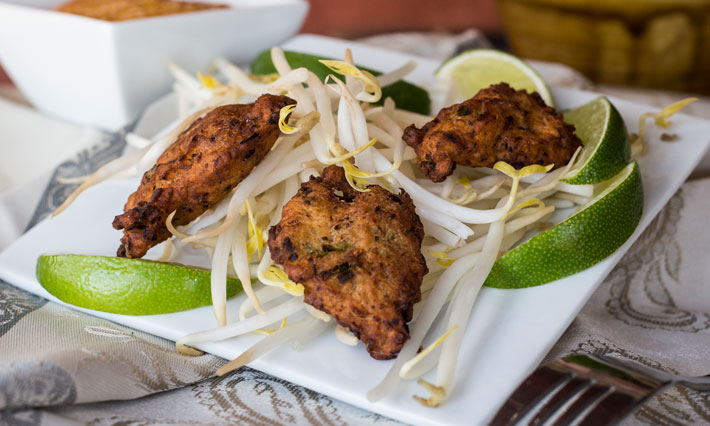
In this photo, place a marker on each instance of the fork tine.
(589, 398)
(615, 407)
(566, 393)
(541, 383)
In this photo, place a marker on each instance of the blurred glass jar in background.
(654, 43)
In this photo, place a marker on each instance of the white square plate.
(509, 332)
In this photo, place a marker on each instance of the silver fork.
(586, 390)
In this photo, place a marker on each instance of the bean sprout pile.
(470, 219)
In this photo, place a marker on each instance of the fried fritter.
(358, 255)
(198, 170)
(498, 124)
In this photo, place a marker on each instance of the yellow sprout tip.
(208, 81)
(283, 116)
(661, 117)
(445, 263)
(440, 254)
(289, 286)
(372, 85)
(464, 181)
(505, 168)
(265, 78)
(350, 154)
(256, 240)
(529, 203)
(355, 183)
(421, 355)
(293, 288)
(510, 171)
(535, 168)
(341, 67)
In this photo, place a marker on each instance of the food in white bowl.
(104, 74)
(124, 10)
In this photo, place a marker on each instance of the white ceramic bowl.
(104, 73)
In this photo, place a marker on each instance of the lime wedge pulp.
(585, 238)
(473, 70)
(127, 286)
(606, 143)
(406, 96)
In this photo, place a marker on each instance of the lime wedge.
(127, 286)
(406, 96)
(591, 234)
(473, 70)
(606, 143)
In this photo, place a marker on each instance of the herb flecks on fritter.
(498, 124)
(198, 170)
(358, 255)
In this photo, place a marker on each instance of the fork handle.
(697, 383)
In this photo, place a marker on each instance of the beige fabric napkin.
(32, 146)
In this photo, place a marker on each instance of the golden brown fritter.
(358, 255)
(498, 124)
(122, 10)
(198, 170)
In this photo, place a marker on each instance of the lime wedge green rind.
(606, 142)
(582, 240)
(406, 96)
(476, 69)
(127, 286)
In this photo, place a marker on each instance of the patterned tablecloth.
(58, 366)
